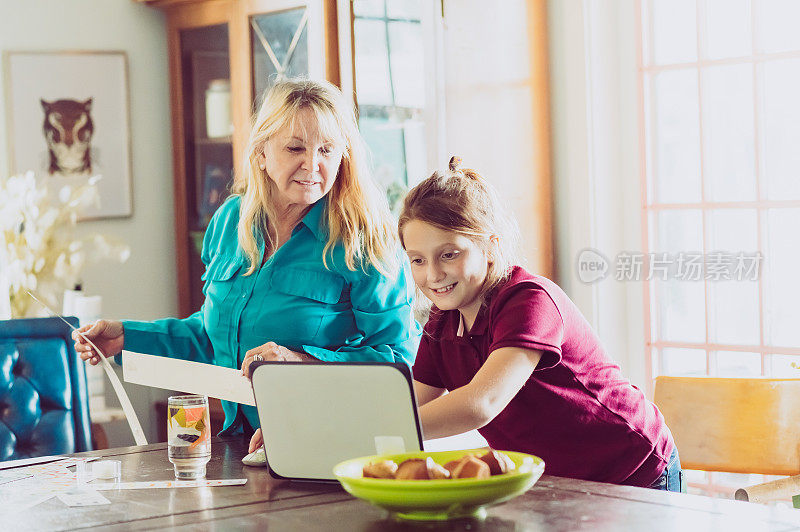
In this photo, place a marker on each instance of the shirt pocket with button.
(301, 299)
(220, 277)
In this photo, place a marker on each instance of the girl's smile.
(448, 267)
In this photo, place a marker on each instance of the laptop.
(316, 414)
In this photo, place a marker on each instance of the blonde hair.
(462, 202)
(358, 214)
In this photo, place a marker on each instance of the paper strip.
(125, 402)
(190, 377)
(11, 476)
(28, 461)
(166, 484)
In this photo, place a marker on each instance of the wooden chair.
(736, 425)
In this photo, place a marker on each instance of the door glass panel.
(781, 157)
(728, 26)
(674, 27)
(737, 364)
(728, 133)
(782, 282)
(676, 137)
(680, 308)
(776, 25)
(784, 366)
(677, 362)
(280, 47)
(733, 292)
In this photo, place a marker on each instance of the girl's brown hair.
(461, 201)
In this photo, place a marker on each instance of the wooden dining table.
(264, 503)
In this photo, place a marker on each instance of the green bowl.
(438, 499)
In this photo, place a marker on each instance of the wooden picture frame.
(68, 116)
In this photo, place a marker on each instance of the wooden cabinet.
(223, 54)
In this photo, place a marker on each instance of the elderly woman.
(301, 261)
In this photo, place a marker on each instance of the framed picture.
(69, 119)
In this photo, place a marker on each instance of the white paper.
(82, 497)
(189, 377)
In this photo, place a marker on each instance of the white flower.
(38, 246)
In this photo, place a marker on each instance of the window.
(394, 89)
(721, 120)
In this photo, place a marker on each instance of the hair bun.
(455, 163)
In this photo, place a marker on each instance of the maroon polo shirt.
(576, 411)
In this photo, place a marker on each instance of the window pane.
(680, 301)
(782, 282)
(674, 24)
(683, 362)
(737, 364)
(385, 141)
(728, 26)
(371, 63)
(737, 480)
(781, 366)
(408, 66)
(693, 475)
(415, 151)
(368, 8)
(777, 25)
(676, 137)
(781, 108)
(408, 9)
(733, 299)
(728, 133)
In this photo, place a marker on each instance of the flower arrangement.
(39, 250)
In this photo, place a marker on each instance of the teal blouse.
(333, 314)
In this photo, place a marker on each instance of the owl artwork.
(68, 130)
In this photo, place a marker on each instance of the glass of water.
(189, 435)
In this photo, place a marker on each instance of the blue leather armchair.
(44, 402)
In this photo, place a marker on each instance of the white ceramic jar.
(218, 109)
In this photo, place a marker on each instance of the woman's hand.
(108, 335)
(256, 441)
(274, 352)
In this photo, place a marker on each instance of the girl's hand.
(256, 441)
(274, 352)
(108, 335)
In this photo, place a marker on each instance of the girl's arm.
(474, 405)
(426, 394)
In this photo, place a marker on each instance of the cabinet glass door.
(280, 44)
(208, 154)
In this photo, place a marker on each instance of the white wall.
(144, 287)
(595, 102)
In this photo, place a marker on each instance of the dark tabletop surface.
(264, 503)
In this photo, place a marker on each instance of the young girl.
(521, 363)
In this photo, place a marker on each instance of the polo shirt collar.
(313, 219)
(455, 327)
(481, 321)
